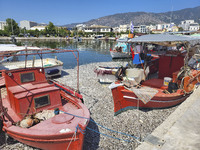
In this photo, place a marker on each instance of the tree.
(61, 32)
(180, 29)
(3, 33)
(12, 27)
(50, 29)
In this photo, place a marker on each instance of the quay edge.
(180, 130)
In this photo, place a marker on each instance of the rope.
(81, 130)
(74, 136)
(108, 135)
(136, 138)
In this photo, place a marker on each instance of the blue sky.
(62, 12)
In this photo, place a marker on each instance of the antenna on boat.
(171, 14)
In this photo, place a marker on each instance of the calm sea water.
(89, 51)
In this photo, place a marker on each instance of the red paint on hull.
(124, 99)
(51, 142)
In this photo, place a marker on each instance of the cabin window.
(42, 101)
(27, 77)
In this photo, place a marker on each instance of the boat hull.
(50, 142)
(125, 99)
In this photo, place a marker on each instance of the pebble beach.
(98, 99)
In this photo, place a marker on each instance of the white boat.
(121, 49)
(52, 66)
(8, 50)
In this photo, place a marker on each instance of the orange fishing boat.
(158, 92)
(40, 113)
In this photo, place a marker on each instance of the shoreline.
(53, 38)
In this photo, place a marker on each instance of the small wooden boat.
(40, 113)
(108, 74)
(154, 93)
(52, 66)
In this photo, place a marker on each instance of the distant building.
(173, 28)
(194, 27)
(38, 27)
(27, 24)
(80, 27)
(189, 25)
(137, 28)
(124, 28)
(163, 26)
(2, 25)
(156, 31)
(151, 27)
(115, 29)
(97, 28)
(143, 29)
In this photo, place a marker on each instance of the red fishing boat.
(158, 92)
(40, 113)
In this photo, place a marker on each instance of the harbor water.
(90, 51)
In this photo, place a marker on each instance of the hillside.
(145, 18)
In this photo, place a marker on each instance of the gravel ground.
(98, 99)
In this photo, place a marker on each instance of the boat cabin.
(29, 92)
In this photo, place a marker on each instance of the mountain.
(145, 18)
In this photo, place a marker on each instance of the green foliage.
(12, 27)
(61, 32)
(50, 29)
(3, 33)
(180, 29)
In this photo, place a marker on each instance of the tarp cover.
(154, 38)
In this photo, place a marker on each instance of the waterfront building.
(151, 27)
(38, 28)
(157, 31)
(173, 28)
(137, 28)
(27, 24)
(124, 28)
(97, 28)
(163, 26)
(2, 25)
(143, 29)
(189, 25)
(116, 29)
(194, 27)
(80, 27)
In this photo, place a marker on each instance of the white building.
(27, 24)
(151, 27)
(194, 27)
(124, 28)
(115, 29)
(80, 27)
(97, 28)
(143, 29)
(189, 25)
(38, 27)
(2, 25)
(163, 26)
